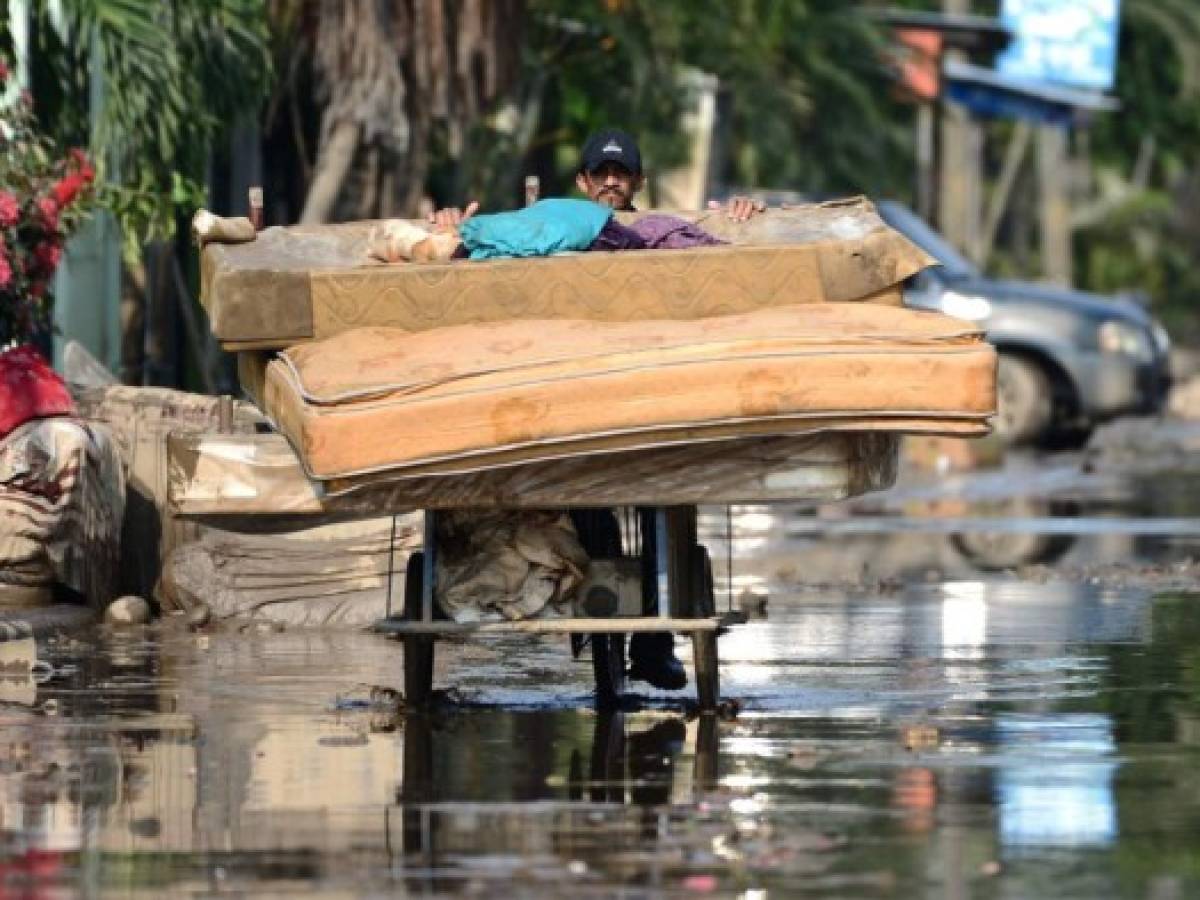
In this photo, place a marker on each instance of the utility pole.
(1054, 201)
(960, 189)
(926, 137)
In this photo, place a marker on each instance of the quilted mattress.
(250, 475)
(306, 283)
(467, 397)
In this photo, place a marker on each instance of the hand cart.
(832, 466)
(684, 599)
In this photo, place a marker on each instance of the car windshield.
(907, 223)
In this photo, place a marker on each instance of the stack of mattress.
(427, 373)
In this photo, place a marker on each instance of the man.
(610, 172)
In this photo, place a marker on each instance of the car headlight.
(1125, 338)
(965, 306)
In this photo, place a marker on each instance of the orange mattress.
(469, 396)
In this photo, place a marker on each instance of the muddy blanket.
(345, 574)
(507, 565)
(62, 498)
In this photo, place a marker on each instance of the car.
(1067, 360)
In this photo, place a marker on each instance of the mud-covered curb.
(40, 621)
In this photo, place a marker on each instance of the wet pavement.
(915, 716)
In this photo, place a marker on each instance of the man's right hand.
(452, 217)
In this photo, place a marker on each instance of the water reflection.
(904, 539)
(1055, 787)
(960, 738)
(577, 810)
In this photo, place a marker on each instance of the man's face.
(612, 184)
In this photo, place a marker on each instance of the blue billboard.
(1067, 42)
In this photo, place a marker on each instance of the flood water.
(914, 715)
(969, 738)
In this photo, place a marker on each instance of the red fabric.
(29, 389)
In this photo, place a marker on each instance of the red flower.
(65, 192)
(3, 72)
(9, 210)
(48, 254)
(48, 207)
(83, 165)
(5, 272)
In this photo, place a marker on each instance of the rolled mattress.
(311, 282)
(472, 396)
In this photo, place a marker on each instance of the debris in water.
(127, 610)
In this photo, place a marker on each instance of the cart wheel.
(702, 582)
(608, 665)
(418, 648)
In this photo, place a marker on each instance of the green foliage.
(1158, 86)
(803, 93)
(174, 76)
(1147, 242)
(810, 98)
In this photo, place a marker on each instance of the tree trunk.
(333, 163)
(133, 324)
(389, 73)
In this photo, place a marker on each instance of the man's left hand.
(739, 209)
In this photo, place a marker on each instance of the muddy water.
(985, 738)
(925, 707)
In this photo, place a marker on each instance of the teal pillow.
(548, 226)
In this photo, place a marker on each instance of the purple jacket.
(653, 232)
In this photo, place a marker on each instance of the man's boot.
(652, 659)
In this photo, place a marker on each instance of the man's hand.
(452, 217)
(739, 209)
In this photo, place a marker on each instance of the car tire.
(1024, 401)
(1069, 437)
(995, 551)
(998, 552)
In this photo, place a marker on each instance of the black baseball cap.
(610, 145)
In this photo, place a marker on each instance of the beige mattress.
(470, 397)
(314, 282)
(252, 475)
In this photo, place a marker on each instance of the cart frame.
(685, 604)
